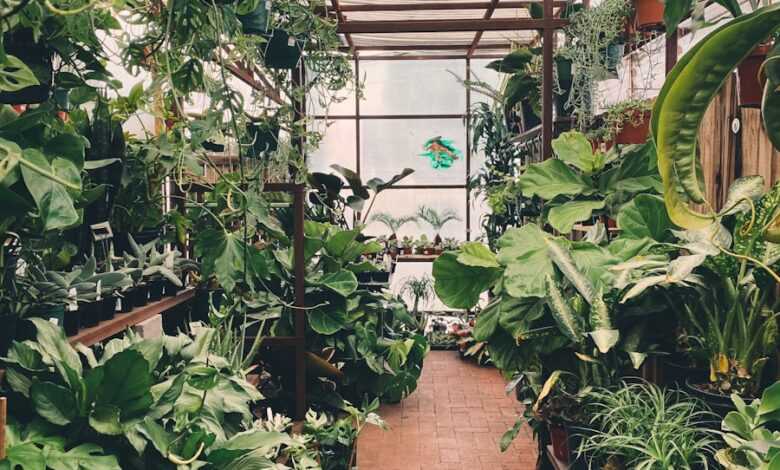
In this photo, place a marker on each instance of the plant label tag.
(54, 321)
(291, 42)
(118, 304)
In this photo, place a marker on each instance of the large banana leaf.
(683, 100)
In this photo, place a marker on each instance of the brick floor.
(452, 422)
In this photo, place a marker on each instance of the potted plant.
(751, 87)
(393, 224)
(639, 425)
(254, 16)
(407, 245)
(158, 268)
(262, 136)
(626, 122)
(420, 245)
(282, 51)
(751, 423)
(648, 13)
(418, 289)
(437, 220)
(50, 293)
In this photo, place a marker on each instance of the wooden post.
(300, 302)
(548, 35)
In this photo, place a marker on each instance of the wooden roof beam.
(429, 47)
(340, 16)
(478, 36)
(445, 26)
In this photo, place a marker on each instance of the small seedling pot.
(72, 322)
(170, 289)
(140, 295)
(631, 134)
(648, 13)
(91, 313)
(156, 288)
(109, 307)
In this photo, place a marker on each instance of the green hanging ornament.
(442, 152)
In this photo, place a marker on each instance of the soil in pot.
(719, 403)
(7, 332)
(631, 134)
(648, 13)
(72, 322)
(750, 88)
(91, 313)
(156, 287)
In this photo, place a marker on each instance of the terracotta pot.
(560, 443)
(750, 85)
(635, 134)
(648, 13)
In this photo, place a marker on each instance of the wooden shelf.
(416, 258)
(555, 462)
(122, 321)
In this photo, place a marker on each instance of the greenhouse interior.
(389, 234)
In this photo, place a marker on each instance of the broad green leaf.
(342, 282)
(53, 402)
(354, 181)
(105, 420)
(15, 75)
(222, 254)
(569, 322)
(68, 146)
(562, 218)
(84, 456)
(514, 62)
(54, 343)
(26, 456)
(552, 178)
(562, 258)
(575, 149)
(126, 384)
(487, 320)
(328, 319)
(604, 334)
(683, 100)
(645, 216)
(458, 285)
(10, 155)
(770, 400)
(518, 315)
(524, 253)
(55, 205)
(478, 255)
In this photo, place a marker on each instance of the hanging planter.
(256, 21)
(263, 137)
(38, 57)
(750, 84)
(282, 51)
(648, 13)
(614, 56)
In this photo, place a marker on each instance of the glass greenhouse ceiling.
(434, 27)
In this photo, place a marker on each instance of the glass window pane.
(322, 101)
(337, 146)
(479, 208)
(479, 71)
(403, 202)
(413, 87)
(387, 146)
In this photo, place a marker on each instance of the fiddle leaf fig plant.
(581, 181)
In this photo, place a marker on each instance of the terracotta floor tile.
(452, 422)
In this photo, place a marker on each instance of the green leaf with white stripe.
(570, 324)
(561, 256)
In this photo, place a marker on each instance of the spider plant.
(393, 224)
(436, 219)
(642, 427)
(419, 289)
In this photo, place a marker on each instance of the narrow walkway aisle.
(452, 422)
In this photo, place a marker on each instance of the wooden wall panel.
(758, 155)
(717, 144)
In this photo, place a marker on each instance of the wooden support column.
(3, 419)
(548, 37)
(301, 406)
(671, 51)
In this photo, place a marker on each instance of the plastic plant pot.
(72, 322)
(170, 289)
(91, 313)
(109, 307)
(7, 332)
(125, 302)
(140, 296)
(156, 287)
(282, 51)
(256, 21)
(263, 137)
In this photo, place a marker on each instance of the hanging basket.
(38, 57)
(648, 13)
(614, 55)
(750, 86)
(255, 22)
(631, 134)
(264, 137)
(282, 51)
